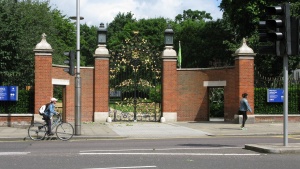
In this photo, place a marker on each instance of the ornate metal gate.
(135, 81)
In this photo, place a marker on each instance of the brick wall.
(169, 85)
(43, 81)
(13, 120)
(87, 92)
(245, 80)
(101, 85)
(270, 118)
(193, 96)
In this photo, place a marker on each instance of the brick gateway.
(184, 91)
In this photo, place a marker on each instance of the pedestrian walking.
(244, 107)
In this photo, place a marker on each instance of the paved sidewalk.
(152, 130)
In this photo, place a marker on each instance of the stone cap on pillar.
(244, 50)
(101, 52)
(169, 53)
(43, 46)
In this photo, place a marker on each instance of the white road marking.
(193, 148)
(125, 167)
(13, 153)
(173, 154)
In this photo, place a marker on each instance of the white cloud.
(97, 11)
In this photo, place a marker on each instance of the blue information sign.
(275, 95)
(3, 93)
(13, 93)
(8, 93)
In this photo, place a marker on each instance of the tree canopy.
(204, 42)
(235, 12)
(21, 26)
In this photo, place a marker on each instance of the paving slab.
(155, 130)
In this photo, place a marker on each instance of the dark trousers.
(245, 117)
(48, 122)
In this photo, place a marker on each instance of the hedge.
(263, 107)
(24, 105)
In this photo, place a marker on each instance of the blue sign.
(115, 93)
(275, 95)
(13, 93)
(3, 93)
(8, 93)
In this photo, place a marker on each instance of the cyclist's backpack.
(42, 109)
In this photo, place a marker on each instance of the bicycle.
(64, 131)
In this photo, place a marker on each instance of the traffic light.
(267, 45)
(70, 62)
(295, 35)
(278, 30)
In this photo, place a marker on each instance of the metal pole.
(77, 78)
(135, 88)
(285, 103)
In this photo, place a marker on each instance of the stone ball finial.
(244, 48)
(43, 45)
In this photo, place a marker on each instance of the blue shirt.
(50, 111)
(244, 105)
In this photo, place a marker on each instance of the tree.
(254, 10)
(21, 26)
(61, 35)
(150, 29)
(202, 40)
(192, 15)
(235, 12)
(88, 42)
(19, 21)
(116, 32)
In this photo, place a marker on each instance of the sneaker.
(50, 134)
(243, 128)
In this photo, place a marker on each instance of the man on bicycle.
(49, 112)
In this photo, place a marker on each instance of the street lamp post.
(77, 77)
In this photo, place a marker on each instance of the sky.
(104, 11)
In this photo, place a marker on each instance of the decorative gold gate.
(135, 81)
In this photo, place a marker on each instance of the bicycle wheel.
(65, 131)
(37, 131)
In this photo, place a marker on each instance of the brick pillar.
(101, 84)
(169, 85)
(244, 69)
(43, 88)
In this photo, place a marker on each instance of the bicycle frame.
(55, 123)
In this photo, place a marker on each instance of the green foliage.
(263, 107)
(24, 105)
(193, 16)
(88, 44)
(61, 36)
(116, 32)
(21, 25)
(155, 94)
(203, 43)
(216, 102)
(151, 30)
(235, 12)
